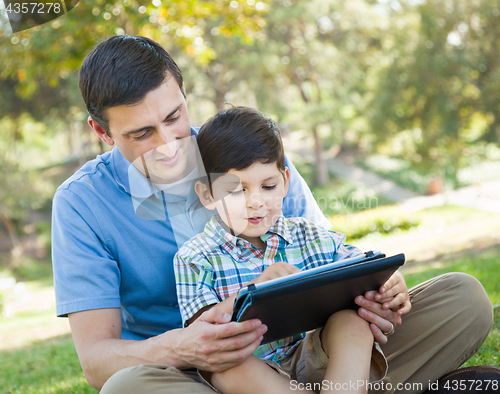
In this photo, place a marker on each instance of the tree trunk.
(11, 229)
(322, 177)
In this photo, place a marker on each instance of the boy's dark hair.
(235, 139)
(121, 71)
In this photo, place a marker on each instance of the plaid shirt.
(214, 265)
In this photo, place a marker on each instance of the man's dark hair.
(121, 71)
(236, 138)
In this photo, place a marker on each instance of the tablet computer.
(305, 300)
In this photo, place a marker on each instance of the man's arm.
(87, 281)
(211, 343)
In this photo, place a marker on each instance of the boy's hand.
(277, 270)
(393, 294)
(384, 309)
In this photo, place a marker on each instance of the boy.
(249, 241)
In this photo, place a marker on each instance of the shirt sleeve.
(193, 277)
(342, 250)
(85, 274)
(299, 202)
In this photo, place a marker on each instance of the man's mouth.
(170, 161)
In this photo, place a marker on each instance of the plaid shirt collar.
(234, 245)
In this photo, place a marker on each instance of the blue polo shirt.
(114, 248)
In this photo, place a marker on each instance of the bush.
(341, 197)
(384, 220)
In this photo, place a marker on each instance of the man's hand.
(383, 309)
(213, 343)
(276, 270)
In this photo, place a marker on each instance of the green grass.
(49, 367)
(52, 366)
(484, 266)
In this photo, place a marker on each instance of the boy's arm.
(277, 270)
(193, 281)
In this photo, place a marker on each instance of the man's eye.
(269, 187)
(142, 136)
(174, 117)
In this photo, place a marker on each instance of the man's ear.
(286, 177)
(99, 130)
(204, 195)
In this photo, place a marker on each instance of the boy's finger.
(395, 302)
(390, 283)
(393, 291)
(406, 307)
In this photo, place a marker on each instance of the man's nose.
(165, 143)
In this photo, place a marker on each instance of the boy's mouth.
(256, 220)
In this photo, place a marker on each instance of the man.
(114, 241)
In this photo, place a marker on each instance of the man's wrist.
(162, 349)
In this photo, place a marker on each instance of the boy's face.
(250, 201)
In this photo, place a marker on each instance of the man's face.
(154, 134)
(250, 201)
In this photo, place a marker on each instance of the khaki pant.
(450, 318)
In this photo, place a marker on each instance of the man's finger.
(229, 359)
(380, 338)
(374, 313)
(215, 315)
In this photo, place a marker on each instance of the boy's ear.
(99, 130)
(286, 177)
(204, 195)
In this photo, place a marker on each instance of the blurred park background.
(389, 108)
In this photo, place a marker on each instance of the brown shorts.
(308, 363)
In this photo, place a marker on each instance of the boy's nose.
(255, 200)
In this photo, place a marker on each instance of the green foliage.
(2, 301)
(26, 268)
(384, 220)
(399, 170)
(412, 177)
(43, 230)
(341, 197)
(437, 84)
(48, 54)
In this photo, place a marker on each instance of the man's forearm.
(105, 357)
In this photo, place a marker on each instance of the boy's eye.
(236, 192)
(269, 187)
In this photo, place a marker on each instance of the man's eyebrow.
(150, 127)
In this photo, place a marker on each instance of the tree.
(438, 92)
(315, 57)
